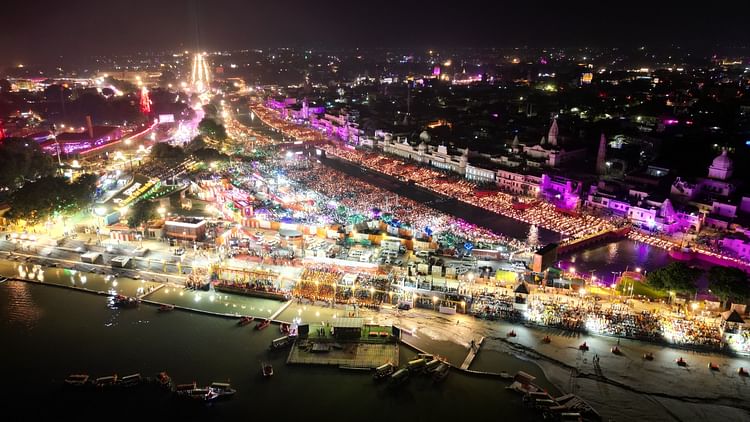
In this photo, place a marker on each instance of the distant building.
(185, 228)
(96, 138)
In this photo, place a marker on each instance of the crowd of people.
(621, 321)
(359, 197)
(539, 213)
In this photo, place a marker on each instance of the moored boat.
(108, 381)
(267, 369)
(223, 389)
(284, 328)
(245, 320)
(441, 372)
(281, 343)
(130, 380)
(166, 308)
(164, 379)
(184, 389)
(204, 394)
(383, 371)
(122, 301)
(263, 324)
(77, 380)
(398, 377)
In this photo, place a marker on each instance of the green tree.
(209, 155)
(142, 212)
(37, 200)
(22, 160)
(728, 283)
(210, 128)
(195, 144)
(676, 276)
(165, 152)
(210, 111)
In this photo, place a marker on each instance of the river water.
(50, 332)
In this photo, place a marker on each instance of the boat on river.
(166, 308)
(441, 372)
(245, 320)
(130, 380)
(263, 324)
(399, 377)
(383, 371)
(223, 389)
(122, 301)
(104, 382)
(267, 369)
(77, 380)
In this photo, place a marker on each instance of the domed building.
(721, 167)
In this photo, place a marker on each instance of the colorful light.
(145, 101)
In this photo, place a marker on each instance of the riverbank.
(620, 381)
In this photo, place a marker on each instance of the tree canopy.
(42, 198)
(210, 155)
(728, 283)
(21, 160)
(165, 152)
(141, 212)
(210, 128)
(195, 144)
(676, 276)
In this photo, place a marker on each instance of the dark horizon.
(41, 32)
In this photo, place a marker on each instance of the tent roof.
(732, 316)
(522, 289)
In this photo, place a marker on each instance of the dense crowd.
(359, 198)
(539, 213)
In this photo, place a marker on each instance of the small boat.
(77, 380)
(398, 377)
(615, 350)
(511, 333)
(281, 343)
(742, 372)
(184, 389)
(266, 369)
(648, 356)
(107, 381)
(583, 346)
(122, 301)
(164, 379)
(546, 340)
(263, 324)
(166, 308)
(245, 320)
(383, 371)
(680, 361)
(223, 389)
(712, 366)
(284, 328)
(130, 380)
(441, 372)
(416, 364)
(204, 394)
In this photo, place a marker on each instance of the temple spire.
(552, 135)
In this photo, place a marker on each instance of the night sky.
(42, 29)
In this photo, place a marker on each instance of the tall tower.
(200, 77)
(552, 135)
(601, 157)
